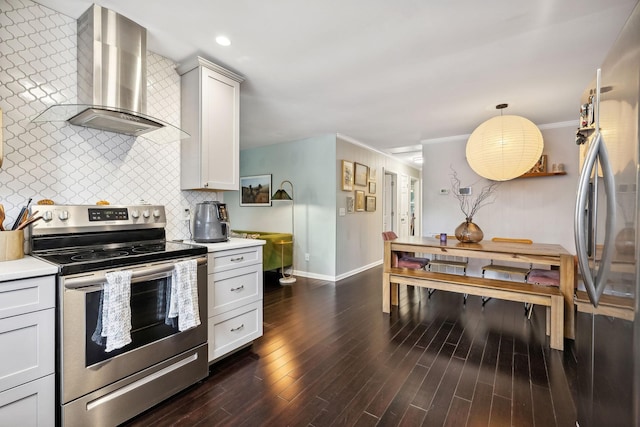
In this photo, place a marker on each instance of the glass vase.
(469, 232)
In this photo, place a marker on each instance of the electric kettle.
(210, 222)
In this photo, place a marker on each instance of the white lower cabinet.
(27, 355)
(235, 298)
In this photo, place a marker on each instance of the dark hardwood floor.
(329, 356)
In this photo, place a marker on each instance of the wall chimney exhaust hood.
(112, 80)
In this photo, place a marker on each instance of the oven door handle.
(137, 275)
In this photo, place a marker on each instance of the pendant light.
(504, 147)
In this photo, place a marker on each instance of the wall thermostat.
(464, 191)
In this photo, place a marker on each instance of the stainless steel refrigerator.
(606, 234)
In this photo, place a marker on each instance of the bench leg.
(395, 293)
(557, 322)
(548, 322)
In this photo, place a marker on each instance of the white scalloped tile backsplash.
(71, 164)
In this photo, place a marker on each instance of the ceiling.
(391, 75)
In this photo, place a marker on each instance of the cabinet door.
(234, 329)
(31, 404)
(27, 342)
(220, 121)
(234, 288)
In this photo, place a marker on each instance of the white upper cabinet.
(210, 106)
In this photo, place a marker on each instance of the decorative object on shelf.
(468, 231)
(361, 174)
(347, 176)
(504, 147)
(540, 166)
(281, 194)
(372, 187)
(350, 204)
(359, 201)
(370, 205)
(255, 190)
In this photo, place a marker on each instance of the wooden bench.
(550, 297)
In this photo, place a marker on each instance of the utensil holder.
(11, 245)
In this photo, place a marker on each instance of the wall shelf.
(541, 174)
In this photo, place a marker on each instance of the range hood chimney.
(112, 79)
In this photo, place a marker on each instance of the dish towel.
(184, 295)
(115, 314)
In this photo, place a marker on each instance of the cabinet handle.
(239, 288)
(238, 328)
(237, 259)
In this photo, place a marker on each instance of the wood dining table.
(552, 255)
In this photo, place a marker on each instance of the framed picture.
(361, 173)
(372, 174)
(370, 204)
(256, 190)
(347, 176)
(359, 201)
(541, 166)
(350, 204)
(372, 187)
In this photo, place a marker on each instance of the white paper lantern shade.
(504, 147)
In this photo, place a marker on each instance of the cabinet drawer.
(27, 342)
(233, 329)
(234, 288)
(234, 258)
(27, 295)
(31, 404)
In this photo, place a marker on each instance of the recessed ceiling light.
(223, 41)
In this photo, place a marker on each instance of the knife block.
(11, 245)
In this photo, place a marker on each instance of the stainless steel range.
(99, 385)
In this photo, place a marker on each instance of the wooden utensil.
(28, 217)
(2, 215)
(29, 222)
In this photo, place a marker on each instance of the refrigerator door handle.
(609, 241)
(597, 154)
(579, 218)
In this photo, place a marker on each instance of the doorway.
(389, 204)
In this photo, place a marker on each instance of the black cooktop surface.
(91, 258)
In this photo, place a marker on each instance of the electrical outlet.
(186, 214)
(306, 257)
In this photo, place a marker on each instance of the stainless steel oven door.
(85, 365)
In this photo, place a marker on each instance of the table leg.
(386, 293)
(567, 285)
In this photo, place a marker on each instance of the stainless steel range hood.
(112, 80)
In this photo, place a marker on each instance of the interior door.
(388, 207)
(403, 189)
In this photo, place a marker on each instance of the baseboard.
(335, 278)
(358, 270)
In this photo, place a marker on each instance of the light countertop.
(233, 243)
(24, 268)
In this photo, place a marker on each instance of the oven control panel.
(89, 218)
(108, 214)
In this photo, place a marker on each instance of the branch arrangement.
(468, 204)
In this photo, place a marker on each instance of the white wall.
(540, 209)
(310, 165)
(359, 239)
